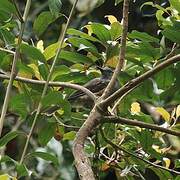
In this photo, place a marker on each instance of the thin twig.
(7, 50)
(119, 100)
(65, 125)
(121, 120)
(136, 156)
(54, 84)
(122, 52)
(47, 81)
(13, 69)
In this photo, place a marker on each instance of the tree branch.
(121, 120)
(60, 43)
(54, 84)
(122, 52)
(135, 82)
(116, 147)
(13, 69)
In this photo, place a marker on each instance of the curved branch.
(135, 82)
(122, 52)
(82, 162)
(54, 84)
(121, 120)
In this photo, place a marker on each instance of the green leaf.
(55, 7)
(44, 71)
(101, 31)
(52, 98)
(24, 69)
(75, 57)
(146, 139)
(7, 36)
(172, 34)
(75, 32)
(175, 4)
(143, 36)
(69, 136)
(162, 174)
(42, 22)
(46, 132)
(165, 78)
(8, 137)
(7, 159)
(20, 104)
(116, 30)
(32, 52)
(118, 1)
(83, 44)
(60, 70)
(21, 170)
(177, 163)
(44, 155)
(50, 51)
(7, 6)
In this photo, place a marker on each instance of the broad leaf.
(8, 137)
(42, 22)
(44, 155)
(55, 7)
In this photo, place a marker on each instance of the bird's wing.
(95, 85)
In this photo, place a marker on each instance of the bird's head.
(106, 72)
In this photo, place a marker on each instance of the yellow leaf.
(163, 113)
(89, 28)
(4, 177)
(167, 162)
(177, 111)
(156, 148)
(135, 108)
(111, 18)
(36, 70)
(105, 166)
(40, 45)
(112, 62)
(51, 50)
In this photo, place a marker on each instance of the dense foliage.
(155, 101)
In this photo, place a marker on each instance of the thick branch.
(54, 84)
(135, 82)
(122, 50)
(121, 120)
(82, 162)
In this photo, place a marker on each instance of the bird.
(96, 86)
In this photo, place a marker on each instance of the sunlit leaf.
(135, 108)
(177, 111)
(111, 18)
(69, 136)
(167, 162)
(163, 113)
